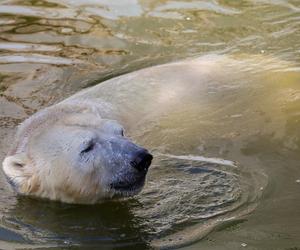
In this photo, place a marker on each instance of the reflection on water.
(51, 49)
(102, 224)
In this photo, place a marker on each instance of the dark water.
(51, 49)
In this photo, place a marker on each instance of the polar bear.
(76, 151)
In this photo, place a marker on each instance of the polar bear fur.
(45, 160)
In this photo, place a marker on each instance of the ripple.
(202, 159)
(36, 58)
(199, 5)
(184, 190)
(27, 47)
(43, 12)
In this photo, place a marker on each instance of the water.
(52, 49)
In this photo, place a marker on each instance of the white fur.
(43, 162)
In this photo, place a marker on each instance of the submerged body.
(75, 151)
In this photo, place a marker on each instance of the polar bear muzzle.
(134, 183)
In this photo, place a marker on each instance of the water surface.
(52, 49)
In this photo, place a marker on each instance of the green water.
(52, 49)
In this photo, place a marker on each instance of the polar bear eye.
(90, 146)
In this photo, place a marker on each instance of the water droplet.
(298, 181)
(243, 244)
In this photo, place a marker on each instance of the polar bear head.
(68, 152)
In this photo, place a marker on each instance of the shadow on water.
(56, 225)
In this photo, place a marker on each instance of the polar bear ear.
(13, 167)
(15, 161)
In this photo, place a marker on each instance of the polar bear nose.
(142, 161)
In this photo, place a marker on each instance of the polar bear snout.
(142, 161)
(128, 165)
